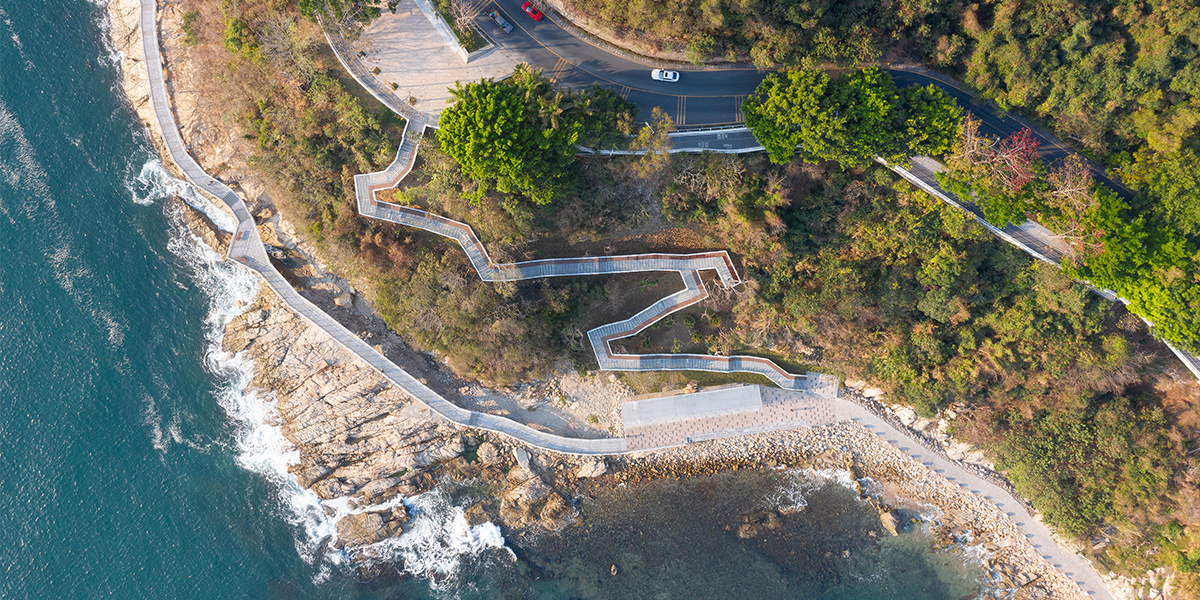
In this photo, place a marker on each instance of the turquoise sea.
(134, 465)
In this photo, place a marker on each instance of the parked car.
(664, 75)
(532, 11)
(505, 25)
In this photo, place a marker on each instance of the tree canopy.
(1170, 185)
(344, 13)
(1151, 266)
(849, 120)
(520, 134)
(786, 111)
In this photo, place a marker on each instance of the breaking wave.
(792, 493)
(153, 183)
(438, 540)
(258, 439)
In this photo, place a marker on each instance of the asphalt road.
(1051, 149)
(702, 98)
(699, 98)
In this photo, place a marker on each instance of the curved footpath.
(247, 248)
(687, 265)
(1074, 566)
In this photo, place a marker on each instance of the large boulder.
(489, 454)
(367, 528)
(475, 515)
(556, 513)
(379, 490)
(522, 456)
(529, 492)
(591, 468)
(891, 522)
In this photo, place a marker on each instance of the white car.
(664, 75)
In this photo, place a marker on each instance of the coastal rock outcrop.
(488, 454)
(594, 467)
(368, 528)
(356, 435)
(891, 522)
(528, 500)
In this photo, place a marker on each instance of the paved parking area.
(409, 52)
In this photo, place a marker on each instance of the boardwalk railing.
(687, 265)
(247, 248)
(359, 71)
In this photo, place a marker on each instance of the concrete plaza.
(409, 51)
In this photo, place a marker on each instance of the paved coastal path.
(688, 266)
(247, 248)
(1074, 566)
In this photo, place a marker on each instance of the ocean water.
(135, 465)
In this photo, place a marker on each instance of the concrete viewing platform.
(247, 248)
(721, 413)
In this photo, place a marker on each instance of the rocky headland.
(360, 438)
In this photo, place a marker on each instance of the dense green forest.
(1153, 266)
(851, 119)
(520, 134)
(1117, 76)
(1120, 80)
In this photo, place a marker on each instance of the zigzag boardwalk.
(247, 249)
(687, 265)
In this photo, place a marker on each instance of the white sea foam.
(153, 183)
(438, 542)
(257, 439)
(111, 55)
(153, 420)
(791, 495)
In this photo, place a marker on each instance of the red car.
(532, 11)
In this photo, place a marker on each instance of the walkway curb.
(688, 266)
(247, 248)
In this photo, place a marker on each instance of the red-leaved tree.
(1014, 160)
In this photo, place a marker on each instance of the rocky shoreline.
(360, 438)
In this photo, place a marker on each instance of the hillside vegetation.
(848, 269)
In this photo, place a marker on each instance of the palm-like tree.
(529, 81)
(459, 91)
(551, 109)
